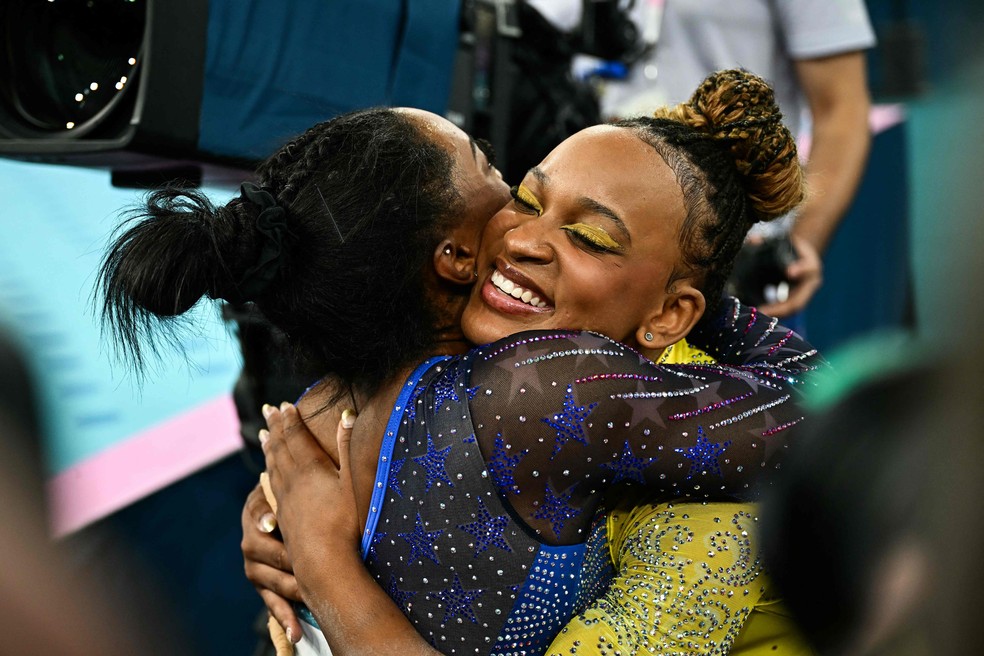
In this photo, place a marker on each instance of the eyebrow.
(589, 204)
(484, 146)
(474, 147)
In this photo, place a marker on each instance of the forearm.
(839, 103)
(834, 171)
(355, 613)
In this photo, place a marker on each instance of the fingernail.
(264, 435)
(348, 418)
(268, 522)
(267, 410)
(284, 406)
(290, 635)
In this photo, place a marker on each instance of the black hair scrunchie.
(272, 225)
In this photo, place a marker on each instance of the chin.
(484, 327)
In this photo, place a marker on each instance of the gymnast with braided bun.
(474, 481)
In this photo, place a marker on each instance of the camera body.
(759, 275)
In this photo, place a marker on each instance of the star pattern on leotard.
(433, 464)
(411, 408)
(487, 530)
(521, 376)
(394, 472)
(556, 509)
(421, 541)
(444, 389)
(569, 422)
(376, 539)
(628, 467)
(402, 598)
(703, 455)
(472, 391)
(502, 465)
(457, 601)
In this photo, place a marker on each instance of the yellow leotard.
(688, 580)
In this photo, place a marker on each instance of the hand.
(267, 564)
(316, 509)
(806, 276)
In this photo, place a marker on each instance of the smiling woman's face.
(589, 242)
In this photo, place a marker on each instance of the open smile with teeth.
(507, 286)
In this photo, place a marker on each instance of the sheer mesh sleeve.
(560, 417)
(739, 335)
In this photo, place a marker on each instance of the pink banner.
(143, 464)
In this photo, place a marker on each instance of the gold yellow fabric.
(688, 580)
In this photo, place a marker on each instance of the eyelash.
(489, 151)
(576, 233)
(526, 205)
(586, 240)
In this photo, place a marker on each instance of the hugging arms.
(627, 230)
(538, 479)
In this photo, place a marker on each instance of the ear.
(674, 319)
(454, 262)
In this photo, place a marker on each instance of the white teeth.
(512, 289)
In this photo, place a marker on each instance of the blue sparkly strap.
(545, 603)
(386, 450)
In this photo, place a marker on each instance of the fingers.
(275, 448)
(268, 496)
(344, 439)
(264, 577)
(283, 612)
(304, 447)
(274, 419)
(799, 297)
(806, 286)
(264, 549)
(257, 512)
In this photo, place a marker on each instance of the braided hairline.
(717, 212)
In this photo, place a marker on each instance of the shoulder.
(544, 345)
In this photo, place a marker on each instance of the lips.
(509, 291)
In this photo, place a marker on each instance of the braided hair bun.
(739, 109)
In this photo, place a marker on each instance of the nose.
(527, 239)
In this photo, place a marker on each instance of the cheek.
(492, 236)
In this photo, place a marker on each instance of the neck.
(449, 340)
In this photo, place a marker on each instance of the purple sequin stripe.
(712, 407)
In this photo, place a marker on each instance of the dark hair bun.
(740, 109)
(160, 264)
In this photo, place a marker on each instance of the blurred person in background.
(51, 605)
(874, 532)
(813, 54)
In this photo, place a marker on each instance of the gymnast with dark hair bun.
(475, 483)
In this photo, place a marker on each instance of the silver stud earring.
(649, 337)
(447, 250)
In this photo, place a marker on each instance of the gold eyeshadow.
(526, 197)
(594, 235)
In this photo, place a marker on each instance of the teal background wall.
(56, 222)
(945, 136)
